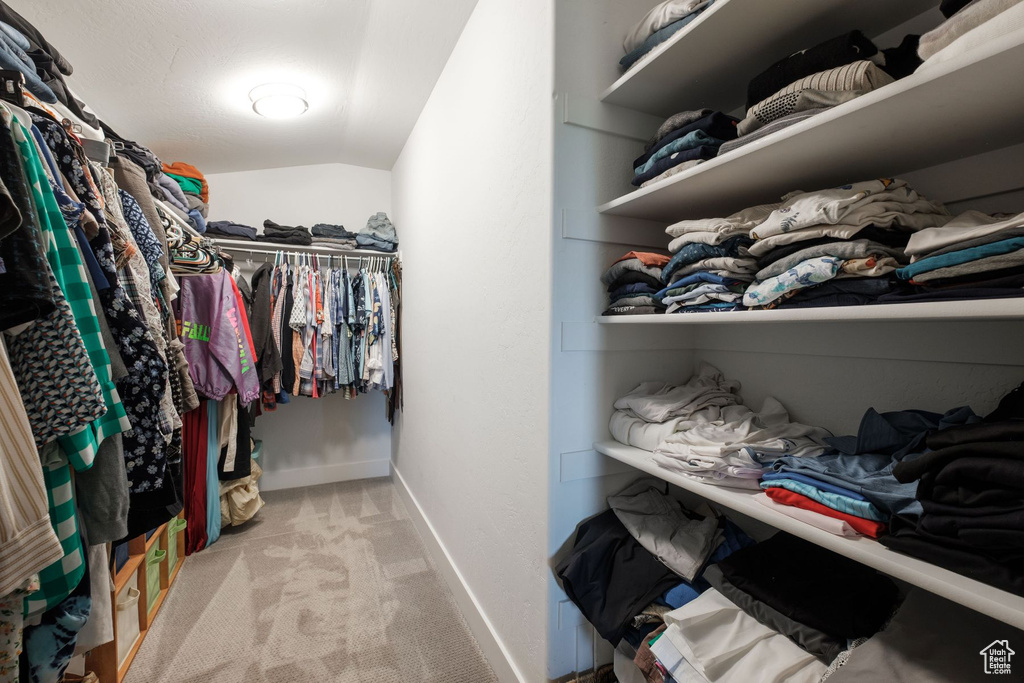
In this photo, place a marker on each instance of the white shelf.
(977, 309)
(978, 596)
(273, 247)
(959, 108)
(710, 62)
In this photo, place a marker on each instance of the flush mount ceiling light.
(278, 100)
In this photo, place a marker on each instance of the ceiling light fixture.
(278, 100)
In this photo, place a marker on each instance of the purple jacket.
(216, 345)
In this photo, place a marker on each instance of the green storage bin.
(154, 558)
(174, 527)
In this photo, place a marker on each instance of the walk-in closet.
(534, 341)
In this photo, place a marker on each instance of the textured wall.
(472, 194)
(312, 441)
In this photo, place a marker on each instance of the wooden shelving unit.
(103, 661)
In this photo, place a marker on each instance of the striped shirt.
(27, 541)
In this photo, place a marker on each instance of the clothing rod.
(229, 245)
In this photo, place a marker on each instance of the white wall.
(472, 196)
(325, 193)
(312, 441)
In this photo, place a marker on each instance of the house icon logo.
(997, 657)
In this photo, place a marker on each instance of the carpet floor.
(327, 583)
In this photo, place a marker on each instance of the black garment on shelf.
(902, 60)
(633, 277)
(716, 124)
(610, 576)
(976, 483)
(813, 586)
(971, 490)
(930, 462)
(1004, 428)
(851, 292)
(284, 234)
(911, 296)
(231, 230)
(332, 231)
(955, 556)
(1011, 407)
(951, 7)
(835, 52)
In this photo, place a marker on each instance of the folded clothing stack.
(854, 481)
(818, 78)
(711, 267)
(970, 486)
(661, 23)
(821, 90)
(683, 141)
(646, 555)
(838, 246)
(193, 185)
(734, 448)
(973, 256)
(653, 411)
(826, 506)
(285, 234)
(632, 282)
(378, 234)
(335, 236)
(231, 230)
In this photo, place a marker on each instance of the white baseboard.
(490, 643)
(328, 474)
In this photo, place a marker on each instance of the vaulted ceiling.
(176, 75)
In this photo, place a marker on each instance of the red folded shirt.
(647, 258)
(859, 524)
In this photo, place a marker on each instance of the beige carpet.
(329, 583)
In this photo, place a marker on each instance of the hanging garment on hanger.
(28, 543)
(195, 434)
